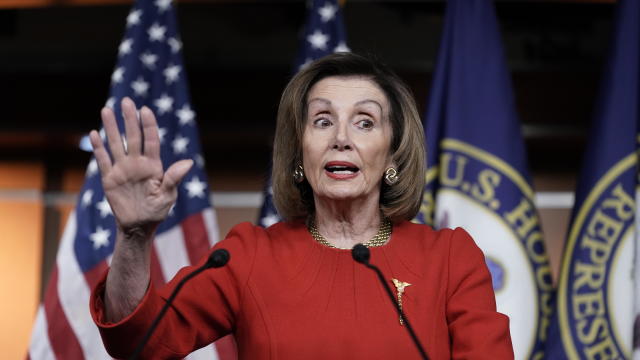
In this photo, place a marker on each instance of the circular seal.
(595, 291)
(494, 203)
(498, 273)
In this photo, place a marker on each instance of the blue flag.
(595, 306)
(323, 34)
(149, 70)
(477, 175)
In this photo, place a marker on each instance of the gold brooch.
(400, 285)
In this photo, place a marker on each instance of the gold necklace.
(380, 239)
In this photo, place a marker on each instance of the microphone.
(217, 259)
(361, 254)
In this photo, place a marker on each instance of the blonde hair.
(401, 201)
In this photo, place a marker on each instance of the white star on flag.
(86, 197)
(164, 104)
(327, 12)
(117, 75)
(270, 219)
(175, 44)
(199, 159)
(161, 133)
(306, 63)
(186, 115)
(140, 87)
(125, 47)
(134, 17)
(104, 208)
(156, 32)
(163, 5)
(110, 102)
(92, 168)
(195, 187)
(342, 47)
(171, 73)
(179, 144)
(149, 60)
(318, 40)
(100, 237)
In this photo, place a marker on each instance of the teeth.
(342, 169)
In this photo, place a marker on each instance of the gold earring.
(391, 176)
(298, 174)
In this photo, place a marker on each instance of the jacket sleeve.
(477, 330)
(204, 310)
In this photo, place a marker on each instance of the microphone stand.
(361, 254)
(217, 259)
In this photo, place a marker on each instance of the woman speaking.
(348, 168)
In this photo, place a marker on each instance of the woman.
(348, 168)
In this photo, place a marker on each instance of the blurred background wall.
(56, 59)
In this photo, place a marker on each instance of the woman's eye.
(323, 123)
(365, 124)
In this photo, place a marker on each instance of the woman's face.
(347, 138)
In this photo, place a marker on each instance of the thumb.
(175, 173)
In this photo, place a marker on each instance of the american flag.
(150, 71)
(324, 34)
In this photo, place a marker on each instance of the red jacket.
(285, 296)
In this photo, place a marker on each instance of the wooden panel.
(21, 232)
(72, 180)
(64, 211)
(230, 217)
(555, 223)
(20, 262)
(20, 176)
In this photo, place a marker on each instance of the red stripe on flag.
(227, 348)
(62, 338)
(196, 238)
(94, 275)
(157, 276)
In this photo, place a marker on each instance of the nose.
(342, 139)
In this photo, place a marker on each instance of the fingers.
(150, 131)
(102, 157)
(113, 134)
(131, 126)
(175, 173)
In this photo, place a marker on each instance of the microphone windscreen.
(219, 258)
(361, 254)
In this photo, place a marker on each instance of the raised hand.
(139, 191)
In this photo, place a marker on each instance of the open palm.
(139, 191)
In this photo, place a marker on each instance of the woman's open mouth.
(341, 170)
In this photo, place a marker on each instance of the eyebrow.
(361, 102)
